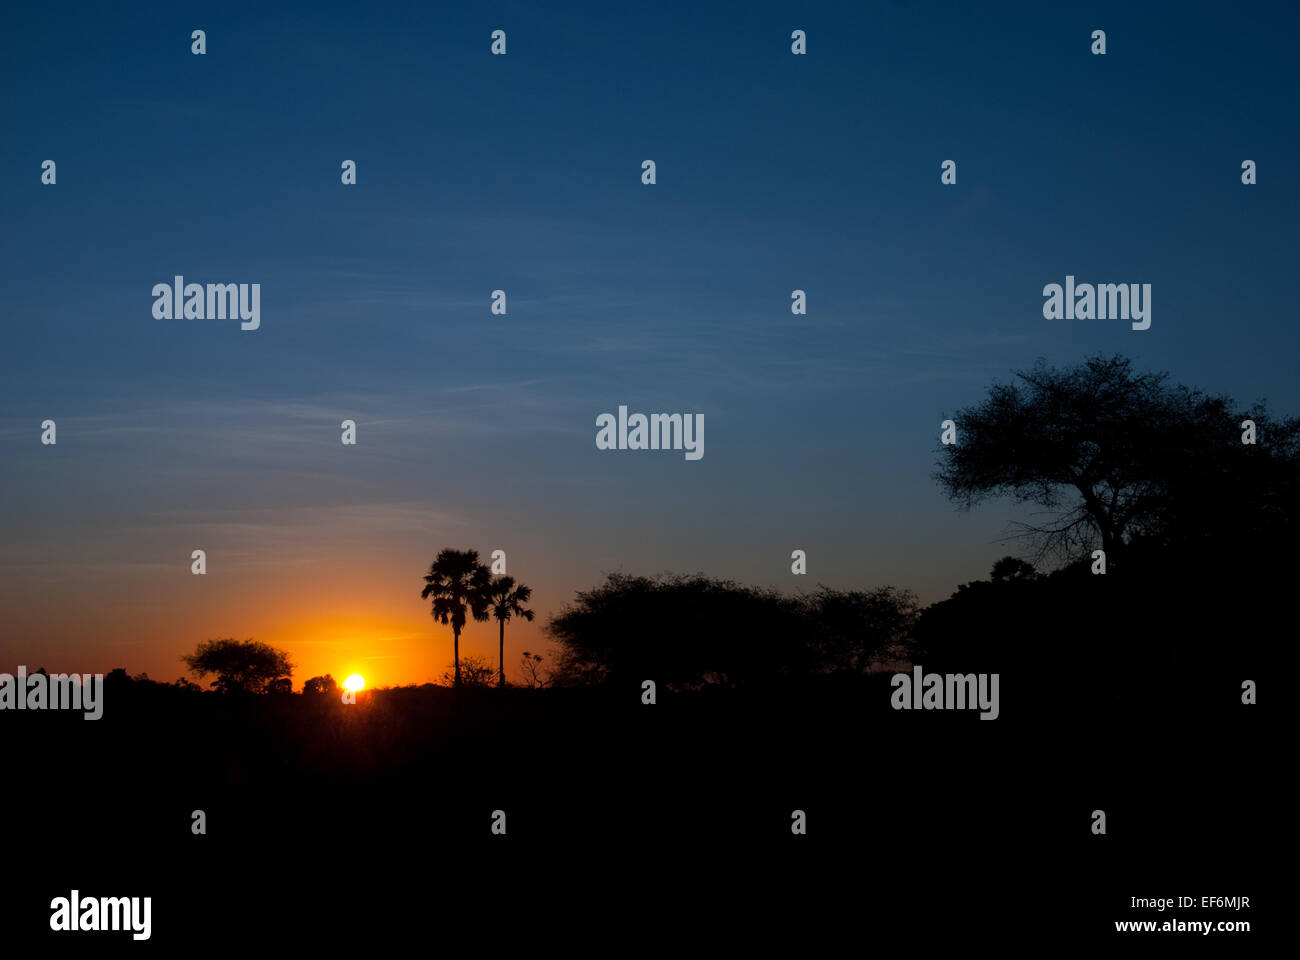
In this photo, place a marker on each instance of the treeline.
(1165, 529)
(691, 631)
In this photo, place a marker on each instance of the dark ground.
(630, 826)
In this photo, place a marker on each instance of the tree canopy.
(244, 666)
(1113, 456)
(691, 631)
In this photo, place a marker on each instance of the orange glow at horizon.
(366, 618)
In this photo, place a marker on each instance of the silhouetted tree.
(857, 629)
(474, 672)
(681, 631)
(279, 685)
(990, 625)
(1012, 568)
(1109, 454)
(457, 582)
(531, 667)
(693, 631)
(240, 666)
(507, 600)
(317, 685)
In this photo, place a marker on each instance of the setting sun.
(354, 682)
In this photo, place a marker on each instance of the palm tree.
(458, 583)
(507, 600)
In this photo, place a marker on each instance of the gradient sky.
(522, 172)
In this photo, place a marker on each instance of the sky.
(522, 172)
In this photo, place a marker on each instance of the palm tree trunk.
(501, 656)
(455, 648)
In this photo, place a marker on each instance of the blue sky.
(522, 172)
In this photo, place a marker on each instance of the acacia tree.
(1104, 451)
(457, 583)
(507, 600)
(244, 666)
